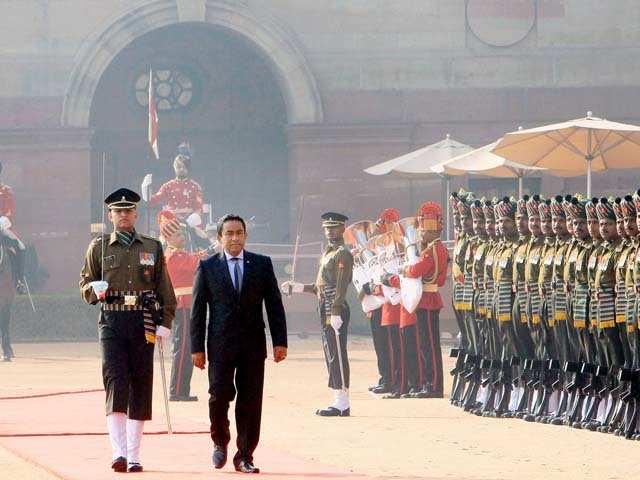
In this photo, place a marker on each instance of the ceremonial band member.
(138, 306)
(432, 269)
(181, 266)
(382, 342)
(232, 287)
(334, 276)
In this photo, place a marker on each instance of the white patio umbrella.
(482, 162)
(584, 145)
(419, 162)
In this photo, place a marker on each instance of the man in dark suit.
(233, 285)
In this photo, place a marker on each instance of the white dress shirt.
(231, 265)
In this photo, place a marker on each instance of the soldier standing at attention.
(334, 276)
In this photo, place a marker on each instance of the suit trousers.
(249, 381)
(379, 335)
(127, 364)
(181, 367)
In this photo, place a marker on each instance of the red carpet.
(73, 444)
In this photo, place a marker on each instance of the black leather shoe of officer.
(183, 398)
(134, 468)
(219, 456)
(379, 384)
(593, 426)
(333, 412)
(410, 394)
(529, 418)
(428, 393)
(119, 465)
(245, 467)
(557, 421)
(392, 396)
(380, 389)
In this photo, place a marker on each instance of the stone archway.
(299, 90)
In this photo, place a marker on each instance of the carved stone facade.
(350, 83)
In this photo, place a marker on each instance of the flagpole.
(152, 132)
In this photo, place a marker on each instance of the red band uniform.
(181, 266)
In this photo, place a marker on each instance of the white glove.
(100, 288)
(290, 287)
(5, 223)
(336, 322)
(162, 331)
(146, 183)
(194, 220)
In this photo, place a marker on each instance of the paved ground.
(44, 436)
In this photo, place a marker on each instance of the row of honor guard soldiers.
(545, 296)
(399, 265)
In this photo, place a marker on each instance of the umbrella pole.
(446, 202)
(589, 176)
(520, 182)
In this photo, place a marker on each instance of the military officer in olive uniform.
(125, 271)
(334, 276)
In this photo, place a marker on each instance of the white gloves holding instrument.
(336, 322)
(162, 331)
(194, 220)
(5, 223)
(290, 287)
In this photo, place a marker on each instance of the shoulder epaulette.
(148, 237)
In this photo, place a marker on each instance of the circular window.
(174, 89)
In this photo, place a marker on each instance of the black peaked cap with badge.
(122, 198)
(333, 219)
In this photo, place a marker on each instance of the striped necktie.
(125, 238)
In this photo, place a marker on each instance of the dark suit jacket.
(236, 324)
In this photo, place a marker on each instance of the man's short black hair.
(229, 217)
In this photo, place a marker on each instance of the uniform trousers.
(430, 352)
(330, 348)
(127, 364)
(394, 352)
(379, 335)
(5, 338)
(182, 366)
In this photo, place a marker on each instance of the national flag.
(153, 119)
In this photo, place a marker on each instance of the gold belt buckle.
(130, 300)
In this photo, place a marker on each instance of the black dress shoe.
(245, 467)
(119, 465)
(219, 456)
(134, 467)
(333, 412)
(183, 398)
(6, 358)
(380, 389)
(428, 393)
(391, 396)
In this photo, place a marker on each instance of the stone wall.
(378, 78)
